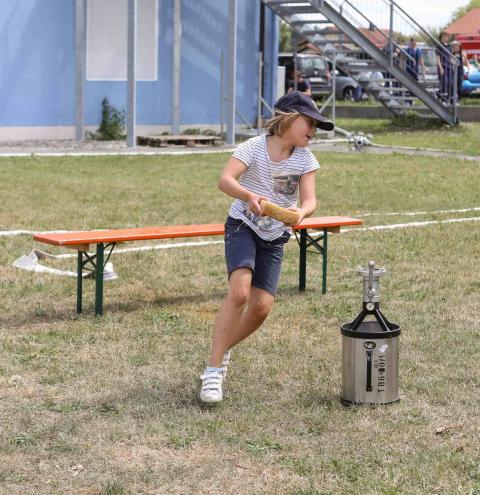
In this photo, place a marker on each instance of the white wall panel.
(107, 40)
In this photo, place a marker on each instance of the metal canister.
(370, 349)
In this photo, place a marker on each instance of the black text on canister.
(370, 349)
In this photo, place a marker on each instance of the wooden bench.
(106, 241)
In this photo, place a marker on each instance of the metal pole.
(455, 92)
(232, 68)
(390, 37)
(302, 272)
(295, 69)
(222, 94)
(334, 86)
(324, 261)
(260, 84)
(131, 76)
(79, 68)
(79, 281)
(99, 279)
(177, 40)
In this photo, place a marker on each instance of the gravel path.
(64, 147)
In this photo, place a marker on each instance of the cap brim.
(322, 122)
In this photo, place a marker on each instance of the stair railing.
(448, 90)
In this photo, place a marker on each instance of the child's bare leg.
(230, 313)
(259, 306)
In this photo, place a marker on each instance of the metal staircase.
(361, 48)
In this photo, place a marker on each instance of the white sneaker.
(225, 361)
(211, 386)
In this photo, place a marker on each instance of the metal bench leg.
(303, 261)
(99, 280)
(324, 261)
(321, 247)
(79, 281)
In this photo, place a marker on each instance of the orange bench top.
(168, 232)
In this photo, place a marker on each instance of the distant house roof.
(378, 37)
(467, 24)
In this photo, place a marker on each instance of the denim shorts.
(245, 249)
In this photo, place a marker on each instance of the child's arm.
(308, 201)
(228, 183)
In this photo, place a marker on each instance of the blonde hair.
(277, 125)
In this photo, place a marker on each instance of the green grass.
(109, 405)
(464, 138)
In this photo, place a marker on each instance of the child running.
(278, 167)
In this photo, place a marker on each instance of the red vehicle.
(470, 44)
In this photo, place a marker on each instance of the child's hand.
(254, 203)
(301, 211)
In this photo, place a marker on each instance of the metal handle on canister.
(371, 266)
(369, 371)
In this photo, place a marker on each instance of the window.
(107, 35)
(316, 63)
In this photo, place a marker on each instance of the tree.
(461, 11)
(285, 37)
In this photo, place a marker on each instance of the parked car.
(345, 86)
(312, 67)
(429, 54)
(471, 81)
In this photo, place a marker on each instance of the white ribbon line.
(30, 262)
(413, 213)
(14, 154)
(411, 224)
(8, 233)
(11, 233)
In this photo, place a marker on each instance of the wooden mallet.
(274, 211)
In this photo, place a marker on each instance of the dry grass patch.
(109, 405)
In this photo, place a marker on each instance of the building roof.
(378, 37)
(467, 24)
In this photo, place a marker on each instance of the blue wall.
(37, 48)
(37, 64)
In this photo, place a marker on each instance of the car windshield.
(312, 63)
(429, 57)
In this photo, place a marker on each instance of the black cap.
(302, 103)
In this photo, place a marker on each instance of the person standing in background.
(461, 57)
(415, 60)
(302, 84)
(444, 66)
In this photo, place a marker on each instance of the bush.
(112, 126)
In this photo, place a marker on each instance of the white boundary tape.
(11, 233)
(113, 153)
(413, 213)
(24, 262)
(30, 262)
(140, 248)
(411, 224)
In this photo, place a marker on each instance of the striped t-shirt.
(276, 181)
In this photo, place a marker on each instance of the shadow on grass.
(68, 313)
